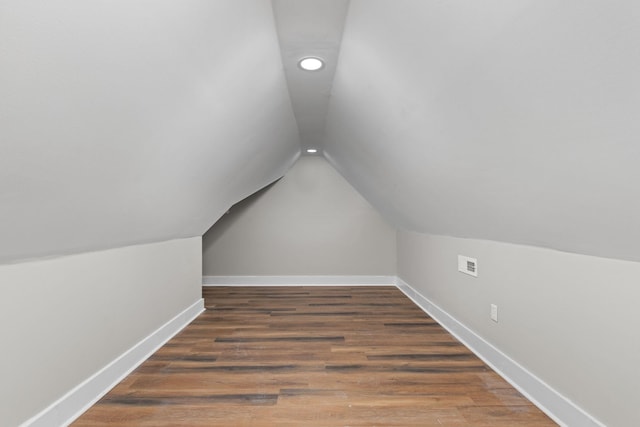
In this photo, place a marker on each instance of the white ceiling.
(310, 28)
(125, 122)
(508, 120)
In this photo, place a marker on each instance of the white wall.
(507, 120)
(311, 222)
(132, 122)
(571, 320)
(63, 319)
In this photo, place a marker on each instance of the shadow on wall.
(232, 215)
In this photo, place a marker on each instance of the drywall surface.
(63, 319)
(512, 121)
(129, 122)
(572, 320)
(311, 222)
(310, 28)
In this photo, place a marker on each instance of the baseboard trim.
(298, 280)
(556, 406)
(73, 404)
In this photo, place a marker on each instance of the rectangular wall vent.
(468, 265)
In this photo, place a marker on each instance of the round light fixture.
(312, 151)
(311, 63)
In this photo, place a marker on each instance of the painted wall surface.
(311, 222)
(507, 120)
(572, 320)
(63, 319)
(130, 122)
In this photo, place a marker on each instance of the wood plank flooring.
(313, 356)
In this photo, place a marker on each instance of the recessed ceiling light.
(311, 63)
(312, 150)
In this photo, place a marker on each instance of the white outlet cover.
(468, 265)
(494, 312)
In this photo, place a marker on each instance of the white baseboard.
(298, 280)
(73, 404)
(552, 403)
(66, 409)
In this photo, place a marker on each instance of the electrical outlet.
(494, 312)
(468, 265)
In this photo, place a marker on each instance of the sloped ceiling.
(515, 121)
(124, 122)
(310, 28)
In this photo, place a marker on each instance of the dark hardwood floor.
(313, 356)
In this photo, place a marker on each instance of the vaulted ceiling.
(310, 28)
(124, 122)
(508, 120)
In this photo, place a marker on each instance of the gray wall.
(63, 319)
(572, 320)
(311, 222)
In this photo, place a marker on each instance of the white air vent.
(468, 265)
